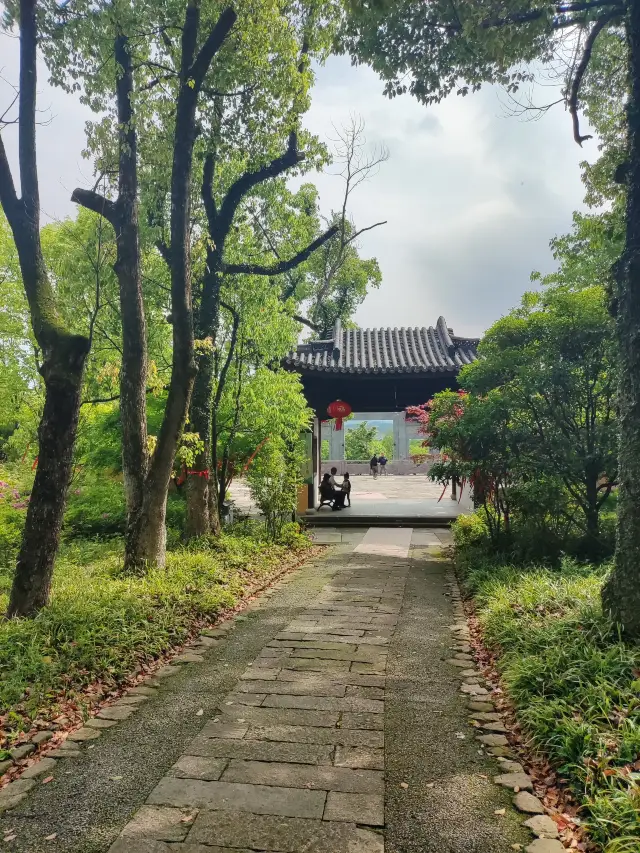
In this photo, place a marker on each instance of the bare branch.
(281, 266)
(8, 196)
(574, 90)
(362, 230)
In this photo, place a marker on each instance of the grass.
(101, 625)
(574, 683)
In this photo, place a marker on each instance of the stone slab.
(282, 716)
(116, 712)
(323, 703)
(308, 776)
(196, 767)
(40, 768)
(262, 750)
(356, 808)
(360, 757)
(285, 835)
(311, 686)
(257, 799)
(157, 824)
(545, 845)
(374, 722)
(542, 825)
(302, 734)
(526, 802)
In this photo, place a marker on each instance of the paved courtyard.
(325, 719)
(385, 496)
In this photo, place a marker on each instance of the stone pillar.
(401, 450)
(396, 438)
(336, 444)
(316, 456)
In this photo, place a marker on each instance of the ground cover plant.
(573, 681)
(102, 625)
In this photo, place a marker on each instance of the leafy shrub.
(572, 680)
(470, 530)
(96, 508)
(274, 479)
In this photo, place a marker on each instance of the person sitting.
(330, 495)
(346, 487)
(326, 491)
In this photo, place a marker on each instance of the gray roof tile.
(417, 350)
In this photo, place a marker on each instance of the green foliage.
(572, 680)
(359, 442)
(536, 431)
(433, 49)
(101, 625)
(274, 479)
(326, 449)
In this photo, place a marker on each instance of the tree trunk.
(621, 593)
(200, 483)
(64, 354)
(134, 369)
(199, 480)
(56, 434)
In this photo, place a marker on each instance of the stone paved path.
(295, 760)
(328, 718)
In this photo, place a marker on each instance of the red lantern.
(338, 410)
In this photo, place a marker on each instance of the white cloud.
(471, 196)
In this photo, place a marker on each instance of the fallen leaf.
(115, 778)
(187, 818)
(500, 811)
(51, 837)
(200, 713)
(10, 837)
(516, 846)
(47, 780)
(404, 785)
(430, 785)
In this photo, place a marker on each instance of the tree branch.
(207, 191)
(165, 251)
(8, 196)
(306, 322)
(97, 203)
(362, 230)
(249, 180)
(581, 71)
(281, 266)
(211, 46)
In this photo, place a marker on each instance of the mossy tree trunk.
(621, 594)
(63, 354)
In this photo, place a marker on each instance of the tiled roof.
(414, 350)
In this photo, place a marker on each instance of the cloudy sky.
(472, 194)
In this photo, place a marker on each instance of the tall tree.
(147, 475)
(63, 353)
(432, 49)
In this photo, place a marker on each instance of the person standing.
(373, 465)
(382, 461)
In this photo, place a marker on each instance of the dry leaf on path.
(500, 811)
(47, 780)
(51, 837)
(404, 785)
